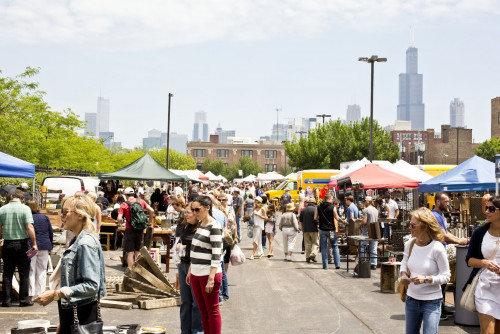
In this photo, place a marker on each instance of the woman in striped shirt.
(205, 271)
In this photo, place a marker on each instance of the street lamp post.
(323, 116)
(168, 129)
(300, 133)
(372, 61)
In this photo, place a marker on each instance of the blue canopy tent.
(474, 174)
(13, 167)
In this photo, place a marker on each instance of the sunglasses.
(196, 209)
(490, 208)
(223, 200)
(65, 212)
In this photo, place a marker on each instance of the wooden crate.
(389, 274)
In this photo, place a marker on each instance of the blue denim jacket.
(82, 271)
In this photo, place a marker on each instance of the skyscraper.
(224, 134)
(200, 127)
(103, 114)
(92, 124)
(457, 113)
(353, 113)
(411, 107)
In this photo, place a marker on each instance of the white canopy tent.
(291, 176)
(404, 168)
(249, 178)
(221, 178)
(194, 175)
(270, 176)
(362, 163)
(211, 176)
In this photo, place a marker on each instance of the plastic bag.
(237, 256)
(250, 232)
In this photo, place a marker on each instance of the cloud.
(151, 24)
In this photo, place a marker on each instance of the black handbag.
(95, 327)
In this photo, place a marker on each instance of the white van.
(68, 185)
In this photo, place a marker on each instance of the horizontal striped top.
(206, 249)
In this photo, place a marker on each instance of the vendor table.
(109, 227)
(163, 235)
(358, 238)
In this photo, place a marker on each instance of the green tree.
(488, 149)
(176, 159)
(334, 142)
(246, 165)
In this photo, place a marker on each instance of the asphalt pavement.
(270, 295)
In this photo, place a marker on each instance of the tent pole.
(496, 186)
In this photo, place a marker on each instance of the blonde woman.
(259, 217)
(82, 267)
(429, 269)
(98, 217)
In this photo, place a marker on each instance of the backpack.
(138, 218)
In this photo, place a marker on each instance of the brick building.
(411, 144)
(453, 141)
(495, 117)
(267, 154)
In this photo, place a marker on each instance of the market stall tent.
(404, 168)
(474, 174)
(374, 176)
(211, 176)
(144, 168)
(270, 176)
(191, 174)
(13, 167)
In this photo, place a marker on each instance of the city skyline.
(241, 62)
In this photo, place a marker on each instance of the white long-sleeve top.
(430, 260)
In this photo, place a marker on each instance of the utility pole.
(300, 132)
(170, 95)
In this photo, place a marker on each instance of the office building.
(269, 155)
(92, 124)
(178, 141)
(353, 113)
(103, 114)
(224, 134)
(457, 113)
(411, 107)
(200, 127)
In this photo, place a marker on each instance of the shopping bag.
(237, 256)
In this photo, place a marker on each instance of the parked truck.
(313, 178)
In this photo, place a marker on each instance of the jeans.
(208, 302)
(324, 236)
(373, 250)
(384, 231)
(224, 291)
(189, 312)
(427, 311)
(238, 217)
(14, 254)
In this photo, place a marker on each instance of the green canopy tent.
(144, 168)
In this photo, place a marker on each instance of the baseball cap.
(258, 199)
(129, 191)
(24, 185)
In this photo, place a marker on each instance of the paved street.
(273, 296)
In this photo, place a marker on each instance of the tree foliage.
(488, 149)
(246, 165)
(334, 142)
(217, 167)
(31, 131)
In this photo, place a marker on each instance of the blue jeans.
(324, 236)
(373, 250)
(189, 312)
(238, 217)
(427, 311)
(384, 231)
(224, 291)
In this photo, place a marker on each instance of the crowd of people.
(207, 223)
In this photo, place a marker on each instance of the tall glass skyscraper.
(353, 113)
(457, 113)
(200, 127)
(411, 107)
(103, 114)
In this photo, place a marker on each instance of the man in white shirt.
(177, 190)
(393, 206)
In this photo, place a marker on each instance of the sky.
(240, 60)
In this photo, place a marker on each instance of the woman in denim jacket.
(82, 266)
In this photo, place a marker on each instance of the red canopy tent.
(375, 177)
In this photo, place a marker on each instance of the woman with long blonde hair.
(82, 267)
(424, 269)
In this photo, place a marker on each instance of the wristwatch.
(426, 280)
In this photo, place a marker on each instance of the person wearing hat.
(310, 228)
(133, 239)
(25, 188)
(259, 217)
(370, 215)
(289, 226)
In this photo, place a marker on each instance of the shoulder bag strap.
(409, 254)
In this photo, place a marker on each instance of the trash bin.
(462, 316)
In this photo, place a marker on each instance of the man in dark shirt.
(285, 199)
(238, 208)
(328, 230)
(310, 228)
